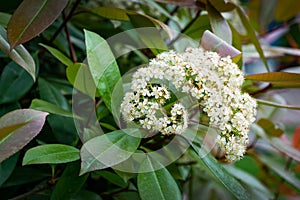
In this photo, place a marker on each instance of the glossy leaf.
(19, 55)
(6, 108)
(277, 143)
(270, 127)
(4, 19)
(218, 24)
(14, 83)
(253, 183)
(72, 71)
(111, 177)
(51, 154)
(252, 35)
(51, 94)
(17, 139)
(211, 166)
(157, 184)
(86, 195)
(121, 14)
(62, 127)
(9, 129)
(59, 55)
(70, 183)
(31, 18)
(7, 167)
(38, 104)
(286, 9)
(288, 176)
(178, 2)
(150, 37)
(103, 66)
(296, 138)
(211, 42)
(222, 5)
(25, 175)
(108, 150)
(197, 28)
(276, 77)
(237, 43)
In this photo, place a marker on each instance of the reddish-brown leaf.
(31, 18)
(296, 138)
(19, 128)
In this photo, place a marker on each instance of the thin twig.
(65, 21)
(185, 28)
(34, 191)
(71, 47)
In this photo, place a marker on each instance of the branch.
(65, 21)
(34, 191)
(71, 48)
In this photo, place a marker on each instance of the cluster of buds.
(213, 80)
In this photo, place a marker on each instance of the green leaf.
(157, 184)
(5, 108)
(178, 2)
(69, 183)
(25, 175)
(103, 66)
(14, 141)
(72, 71)
(277, 78)
(51, 94)
(286, 9)
(58, 55)
(217, 171)
(19, 55)
(197, 28)
(4, 19)
(14, 83)
(38, 104)
(237, 43)
(277, 143)
(252, 35)
(31, 18)
(288, 176)
(253, 183)
(108, 150)
(113, 13)
(80, 77)
(86, 195)
(121, 14)
(7, 167)
(51, 154)
(219, 25)
(222, 5)
(112, 177)
(211, 42)
(150, 36)
(270, 127)
(62, 127)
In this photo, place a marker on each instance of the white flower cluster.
(145, 106)
(213, 80)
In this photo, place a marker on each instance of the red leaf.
(17, 128)
(296, 138)
(31, 18)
